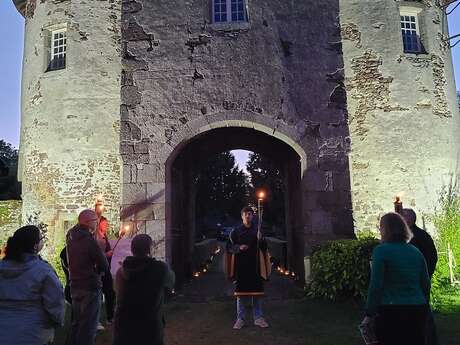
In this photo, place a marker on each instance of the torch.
(121, 234)
(398, 203)
(260, 211)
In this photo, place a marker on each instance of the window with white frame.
(58, 47)
(411, 33)
(227, 11)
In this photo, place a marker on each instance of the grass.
(293, 322)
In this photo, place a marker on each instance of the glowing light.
(399, 196)
(196, 274)
(204, 270)
(261, 195)
(286, 273)
(292, 274)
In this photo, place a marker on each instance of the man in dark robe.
(247, 250)
(423, 242)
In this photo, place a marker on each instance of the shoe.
(261, 322)
(100, 328)
(239, 323)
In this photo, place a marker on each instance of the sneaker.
(100, 328)
(261, 322)
(239, 323)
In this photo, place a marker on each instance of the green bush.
(447, 223)
(341, 269)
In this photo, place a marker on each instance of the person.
(86, 265)
(246, 273)
(423, 242)
(399, 288)
(107, 281)
(31, 296)
(65, 269)
(141, 283)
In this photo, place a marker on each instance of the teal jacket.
(398, 277)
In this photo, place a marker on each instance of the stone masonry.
(146, 78)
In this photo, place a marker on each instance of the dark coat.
(247, 274)
(140, 285)
(86, 260)
(423, 241)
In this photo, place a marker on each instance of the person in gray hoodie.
(31, 296)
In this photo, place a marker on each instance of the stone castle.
(355, 99)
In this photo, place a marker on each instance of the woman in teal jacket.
(399, 289)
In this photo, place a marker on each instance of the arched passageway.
(180, 194)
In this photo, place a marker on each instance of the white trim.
(411, 12)
(228, 4)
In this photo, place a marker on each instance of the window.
(225, 11)
(410, 33)
(58, 47)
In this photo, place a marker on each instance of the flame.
(286, 273)
(196, 274)
(399, 196)
(261, 195)
(204, 270)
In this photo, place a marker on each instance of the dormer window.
(229, 11)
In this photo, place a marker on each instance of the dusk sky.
(11, 41)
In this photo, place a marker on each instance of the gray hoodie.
(31, 302)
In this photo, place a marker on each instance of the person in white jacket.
(31, 295)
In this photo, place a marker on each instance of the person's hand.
(243, 247)
(109, 253)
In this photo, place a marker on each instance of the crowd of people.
(32, 297)
(398, 301)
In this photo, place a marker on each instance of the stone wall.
(280, 74)
(403, 117)
(69, 149)
(10, 219)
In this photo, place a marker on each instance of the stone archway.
(180, 197)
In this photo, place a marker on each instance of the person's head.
(99, 208)
(25, 240)
(88, 219)
(247, 215)
(393, 228)
(141, 245)
(409, 216)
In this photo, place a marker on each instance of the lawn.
(293, 322)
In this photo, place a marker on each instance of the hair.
(394, 228)
(22, 242)
(247, 209)
(409, 215)
(141, 244)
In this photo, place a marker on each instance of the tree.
(221, 191)
(7, 152)
(10, 188)
(266, 175)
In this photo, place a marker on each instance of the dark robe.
(423, 241)
(246, 269)
(140, 284)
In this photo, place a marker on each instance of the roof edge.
(20, 5)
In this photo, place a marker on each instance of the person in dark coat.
(423, 241)
(249, 285)
(141, 284)
(86, 265)
(104, 244)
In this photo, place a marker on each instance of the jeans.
(243, 301)
(86, 307)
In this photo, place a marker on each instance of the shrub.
(341, 269)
